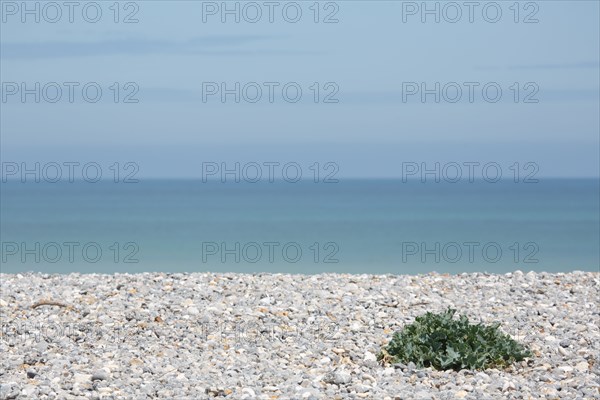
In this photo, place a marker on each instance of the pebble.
(342, 377)
(82, 378)
(99, 376)
(29, 391)
(193, 311)
(508, 386)
(582, 366)
(370, 357)
(263, 336)
(563, 352)
(9, 390)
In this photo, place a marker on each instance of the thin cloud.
(585, 64)
(226, 44)
(579, 65)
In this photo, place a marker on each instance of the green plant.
(443, 342)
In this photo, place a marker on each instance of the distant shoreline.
(293, 274)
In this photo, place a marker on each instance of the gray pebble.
(99, 375)
(142, 341)
(9, 390)
(342, 377)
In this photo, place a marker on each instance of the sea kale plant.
(443, 342)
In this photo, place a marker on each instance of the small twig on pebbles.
(49, 303)
(167, 373)
(420, 303)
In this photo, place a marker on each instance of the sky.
(362, 70)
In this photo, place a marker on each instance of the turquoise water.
(355, 226)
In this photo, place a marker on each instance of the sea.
(349, 226)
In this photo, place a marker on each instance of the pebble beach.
(278, 336)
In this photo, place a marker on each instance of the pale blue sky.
(369, 53)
